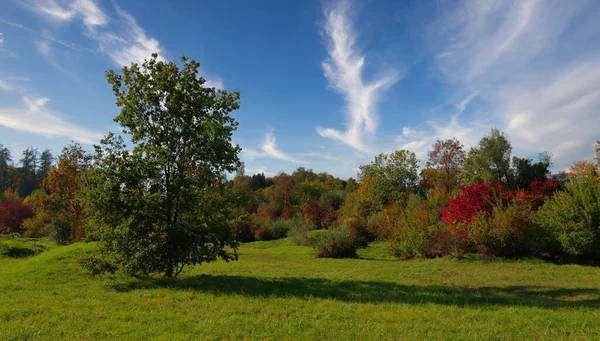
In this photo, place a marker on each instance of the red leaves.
(288, 213)
(481, 197)
(319, 214)
(12, 215)
(471, 201)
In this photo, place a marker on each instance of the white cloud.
(320, 156)
(259, 170)
(128, 45)
(43, 47)
(35, 117)
(1, 40)
(4, 85)
(215, 82)
(533, 63)
(269, 149)
(420, 141)
(86, 10)
(344, 72)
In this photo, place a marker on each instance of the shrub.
(313, 213)
(338, 243)
(328, 218)
(508, 231)
(12, 215)
(263, 233)
(472, 200)
(572, 218)
(97, 265)
(415, 225)
(298, 229)
(288, 213)
(358, 229)
(61, 231)
(38, 225)
(244, 229)
(279, 229)
(445, 242)
(315, 237)
(377, 226)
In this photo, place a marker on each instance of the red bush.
(472, 200)
(328, 217)
(288, 213)
(263, 233)
(313, 213)
(12, 215)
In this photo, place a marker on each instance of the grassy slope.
(277, 291)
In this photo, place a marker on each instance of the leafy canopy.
(159, 205)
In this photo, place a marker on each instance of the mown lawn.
(277, 291)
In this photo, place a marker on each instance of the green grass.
(278, 291)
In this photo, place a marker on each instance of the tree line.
(156, 198)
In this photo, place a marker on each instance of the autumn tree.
(158, 204)
(444, 166)
(582, 169)
(62, 205)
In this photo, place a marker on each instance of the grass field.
(277, 291)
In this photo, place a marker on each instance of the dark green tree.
(160, 204)
(28, 171)
(46, 160)
(5, 161)
(525, 170)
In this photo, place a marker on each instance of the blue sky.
(324, 84)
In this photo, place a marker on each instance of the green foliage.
(298, 231)
(280, 228)
(338, 243)
(160, 205)
(415, 225)
(572, 218)
(525, 170)
(396, 175)
(490, 161)
(509, 231)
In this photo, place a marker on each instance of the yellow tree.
(60, 208)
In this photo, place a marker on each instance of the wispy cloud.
(35, 117)
(130, 44)
(533, 63)
(215, 82)
(420, 140)
(258, 171)
(320, 156)
(14, 24)
(4, 85)
(269, 149)
(1, 41)
(344, 72)
(86, 10)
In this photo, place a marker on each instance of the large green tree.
(490, 161)
(158, 203)
(395, 175)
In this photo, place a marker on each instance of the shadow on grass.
(375, 292)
